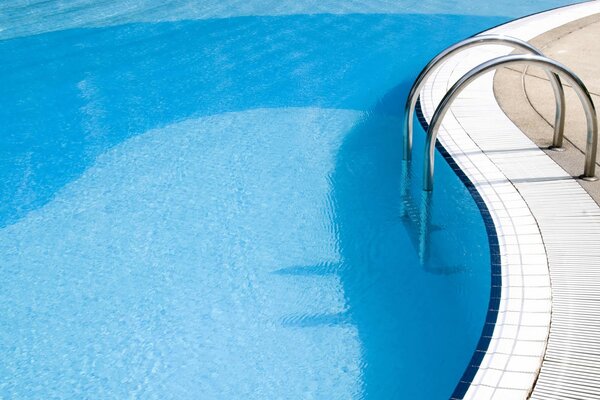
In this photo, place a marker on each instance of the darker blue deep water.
(148, 75)
(214, 209)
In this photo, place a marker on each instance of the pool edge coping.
(495, 266)
(514, 380)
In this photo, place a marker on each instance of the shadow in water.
(419, 310)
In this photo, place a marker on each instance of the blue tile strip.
(496, 269)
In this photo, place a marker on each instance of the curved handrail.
(559, 95)
(542, 62)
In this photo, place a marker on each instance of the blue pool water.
(206, 201)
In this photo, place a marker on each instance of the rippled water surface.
(205, 200)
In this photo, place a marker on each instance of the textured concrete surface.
(525, 95)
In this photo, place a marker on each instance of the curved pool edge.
(495, 267)
(514, 183)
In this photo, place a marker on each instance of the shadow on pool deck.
(529, 102)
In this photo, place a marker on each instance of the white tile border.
(520, 185)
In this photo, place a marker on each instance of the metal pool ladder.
(536, 58)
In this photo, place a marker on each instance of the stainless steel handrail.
(559, 95)
(535, 60)
(421, 218)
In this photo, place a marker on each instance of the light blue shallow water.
(204, 201)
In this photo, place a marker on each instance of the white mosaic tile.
(530, 229)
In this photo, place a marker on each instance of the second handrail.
(559, 95)
(539, 61)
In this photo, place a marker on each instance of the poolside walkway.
(529, 102)
(545, 343)
(571, 367)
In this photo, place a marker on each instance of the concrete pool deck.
(544, 343)
(527, 99)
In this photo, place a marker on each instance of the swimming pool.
(208, 202)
